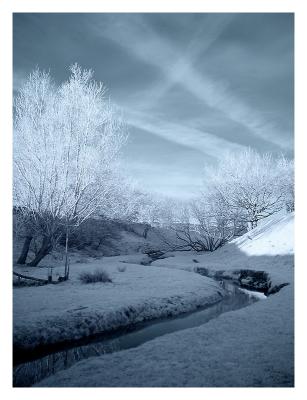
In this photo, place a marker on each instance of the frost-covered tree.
(251, 184)
(129, 203)
(66, 142)
(240, 191)
(215, 222)
(286, 182)
(147, 211)
(154, 211)
(186, 231)
(205, 224)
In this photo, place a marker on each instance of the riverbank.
(251, 347)
(44, 315)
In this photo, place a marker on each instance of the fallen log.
(30, 277)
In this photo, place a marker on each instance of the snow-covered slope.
(273, 236)
(269, 248)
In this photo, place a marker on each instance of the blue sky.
(191, 86)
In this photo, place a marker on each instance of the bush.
(98, 275)
(121, 268)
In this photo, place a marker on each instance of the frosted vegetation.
(67, 141)
(245, 341)
(94, 252)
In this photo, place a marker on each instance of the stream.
(27, 373)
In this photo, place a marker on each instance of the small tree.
(186, 232)
(215, 223)
(66, 142)
(147, 211)
(205, 224)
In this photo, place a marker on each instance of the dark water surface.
(28, 373)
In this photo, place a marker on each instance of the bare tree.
(243, 189)
(146, 211)
(127, 199)
(66, 142)
(250, 184)
(205, 224)
(215, 223)
(22, 227)
(33, 109)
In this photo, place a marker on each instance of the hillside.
(273, 236)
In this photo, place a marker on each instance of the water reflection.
(31, 372)
(28, 373)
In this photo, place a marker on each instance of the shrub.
(121, 268)
(98, 275)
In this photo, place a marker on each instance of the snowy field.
(71, 310)
(249, 347)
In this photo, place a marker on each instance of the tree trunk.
(145, 232)
(45, 249)
(25, 249)
(254, 224)
(66, 274)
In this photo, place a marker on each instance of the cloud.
(184, 135)
(179, 66)
(169, 180)
(191, 86)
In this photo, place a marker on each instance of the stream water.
(33, 371)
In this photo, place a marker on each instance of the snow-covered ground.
(269, 248)
(273, 236)
(248, 347)
(71, 310)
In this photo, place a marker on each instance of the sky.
(191, 87)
